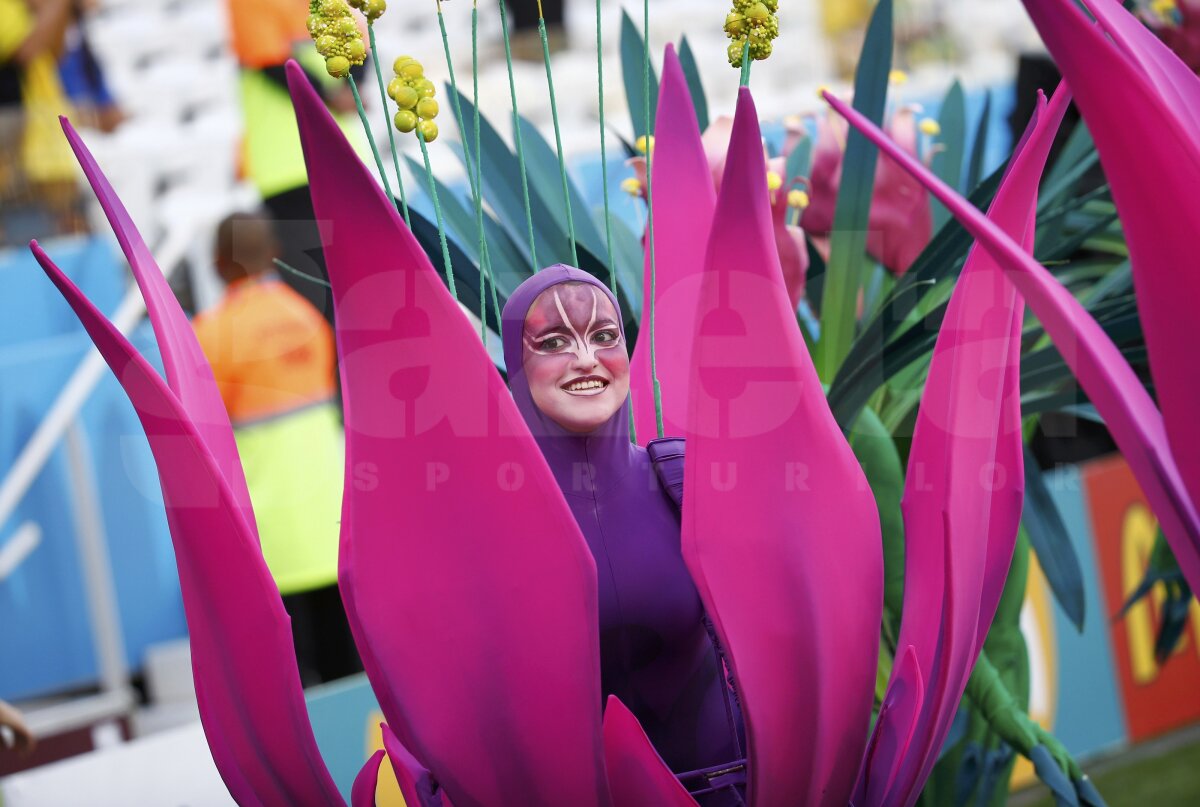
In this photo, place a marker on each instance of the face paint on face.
(575, 359)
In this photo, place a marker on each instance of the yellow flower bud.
(429, 130)
(797, 199)
(411, 70)
(641, 144)
(774, 181)
(632, 186)
(375, 9)
(930, 127)
(425, 88)
(398, 65)
(406, 97)
(405, 121)
(427, 108)
(897, 77)
(356, 51)
(338, 66)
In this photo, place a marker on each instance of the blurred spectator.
(83, 77)
(265, 34)
(39, 195)
(272, 357)
(11, 720)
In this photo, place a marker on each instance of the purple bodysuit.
(656, 654)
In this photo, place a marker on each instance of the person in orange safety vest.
(272, 355)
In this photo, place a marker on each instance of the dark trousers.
(525, 13)
(300, 241)
(325, 647)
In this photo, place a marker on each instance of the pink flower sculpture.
(481, 644)
(901, 222)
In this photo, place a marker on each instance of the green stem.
(562, 165)
(391, 134)
(612, 262)
(437, 211)
(483, 247)
(362, 115)
(658, 410)
(512, 91)
(746, 62)
(287, 267)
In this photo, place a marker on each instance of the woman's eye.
(605, 337)
(553, 343)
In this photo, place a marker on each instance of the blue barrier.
(45, 638)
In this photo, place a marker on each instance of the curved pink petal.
(247, 684)
(893, 731)
(362, 792)
(1111, 384)
(1142, 113)
(1177, 85)
(637, 776)
(716, 145)
(468, 584)
(188, 372)
(780, 530)
(416, 782)
(965, 477)
(684, 201)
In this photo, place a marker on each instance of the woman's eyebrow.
(551, 329)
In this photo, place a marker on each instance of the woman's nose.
(584, 360)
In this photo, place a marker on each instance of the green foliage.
(633, 63)
(848, 240)
(948, 162)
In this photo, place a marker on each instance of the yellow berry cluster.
(753, 21)
(413, 94)
(336, 35)
(371, 9)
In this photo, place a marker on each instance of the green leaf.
(502, 190)
(948, 163)
(510, 266)
(979, 147)
(541, 161)
(1050, 540)
(851, 215)
(633, 62)
(876, 453)
(695, 86)
(799, 162)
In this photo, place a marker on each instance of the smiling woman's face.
(574, 356)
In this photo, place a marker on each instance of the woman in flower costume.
(569, 376)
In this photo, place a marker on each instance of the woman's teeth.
(580, 386)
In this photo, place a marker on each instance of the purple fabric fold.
(780, 530)
(637, 776)
(684, 202)
(1109, 381)
(470, 590)
(964, 486)
(1142, 106)
(248, 687)
(189, 375)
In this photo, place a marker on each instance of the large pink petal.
(1109, 381)
(247, 684)
(965, 482)
(637, 776)
(683, 209)
(188, 373)
(780, 530)
(471, 591)
(1142, 115)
